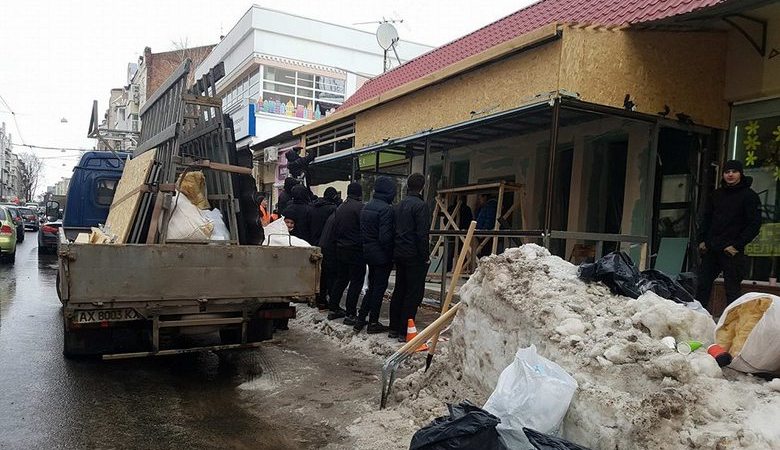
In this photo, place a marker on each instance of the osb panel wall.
(748, 74)
(683, 70)
(497, 87)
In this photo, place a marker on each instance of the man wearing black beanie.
(731, 220)
(349, 255)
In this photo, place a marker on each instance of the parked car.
(16, 216)
(30, 217)
(48, 236)
(7, 236)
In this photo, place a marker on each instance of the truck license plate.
(105, 315)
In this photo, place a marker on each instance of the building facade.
(283, 71)
(607, 126)
(11, 187)
(121, 125)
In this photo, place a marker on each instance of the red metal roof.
(545, 12)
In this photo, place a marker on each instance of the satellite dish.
(386, 35)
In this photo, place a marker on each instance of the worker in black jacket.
(377, 229)
(321, 210)
(286, 195)
(411, 255)
(731, 220)
(300, 211)
(328, 272)
(349, 255)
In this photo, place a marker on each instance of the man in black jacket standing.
(349, 255)
(377, 230)
(731, 220)
(411, 255)
(321, 210)
(285, 197)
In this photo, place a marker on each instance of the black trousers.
(350, 272)
(408, 293)
(371, 305)
(327, 277)
(712, 263)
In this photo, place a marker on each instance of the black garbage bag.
(688, 281)
(617, 271)
(663, 285)
(542, 441)
(468, 427)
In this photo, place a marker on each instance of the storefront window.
(755, 140)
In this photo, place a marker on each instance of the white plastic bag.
(760, 350)
(531, 392)
(214, 217)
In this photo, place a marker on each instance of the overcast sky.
(57, 56)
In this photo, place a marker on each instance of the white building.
(283, 71)
(6, 160)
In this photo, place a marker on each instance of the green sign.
(767, 243)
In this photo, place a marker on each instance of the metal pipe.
(556, 113)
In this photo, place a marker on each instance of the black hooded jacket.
(731, 217)
(377, 224)
(300, 211)
(412, 225)
(320, 211)
(346, 226)
(286, 195)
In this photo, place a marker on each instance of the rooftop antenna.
(387, 37)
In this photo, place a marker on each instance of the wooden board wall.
(127, 195)
(497, 87)
(685, 70)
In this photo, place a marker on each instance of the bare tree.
(30, 167)
(183, 51)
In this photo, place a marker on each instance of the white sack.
(186, 221)
(531, 392)
(214, 217)
(277, 235)
(761, 351)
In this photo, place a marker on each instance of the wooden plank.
(477, 188)
(151, 236)
(122, 214)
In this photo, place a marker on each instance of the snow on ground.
(634, 392)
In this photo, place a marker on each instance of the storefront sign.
(767, 243)
(244, 121)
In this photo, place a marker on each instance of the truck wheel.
(72, 346)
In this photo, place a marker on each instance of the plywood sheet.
(496, 87)
(685, 70)
(128, 195)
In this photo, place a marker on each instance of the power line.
(13, 116)
(43, 147)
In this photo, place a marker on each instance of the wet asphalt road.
(188, 401)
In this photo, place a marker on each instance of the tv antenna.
(387, 38)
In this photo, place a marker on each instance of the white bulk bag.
(277, 235)
(186, 221)
(760, 352)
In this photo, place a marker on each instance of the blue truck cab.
(92, 188)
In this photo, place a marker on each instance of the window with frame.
(755, 140)
(300, 94)
(104, 194)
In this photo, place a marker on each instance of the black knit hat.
(330, 193)
(733, 164)
(355, 190)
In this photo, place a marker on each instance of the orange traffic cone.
(411, 333)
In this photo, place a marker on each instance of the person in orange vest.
(266, 217)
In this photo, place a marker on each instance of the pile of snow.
(634, 392)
